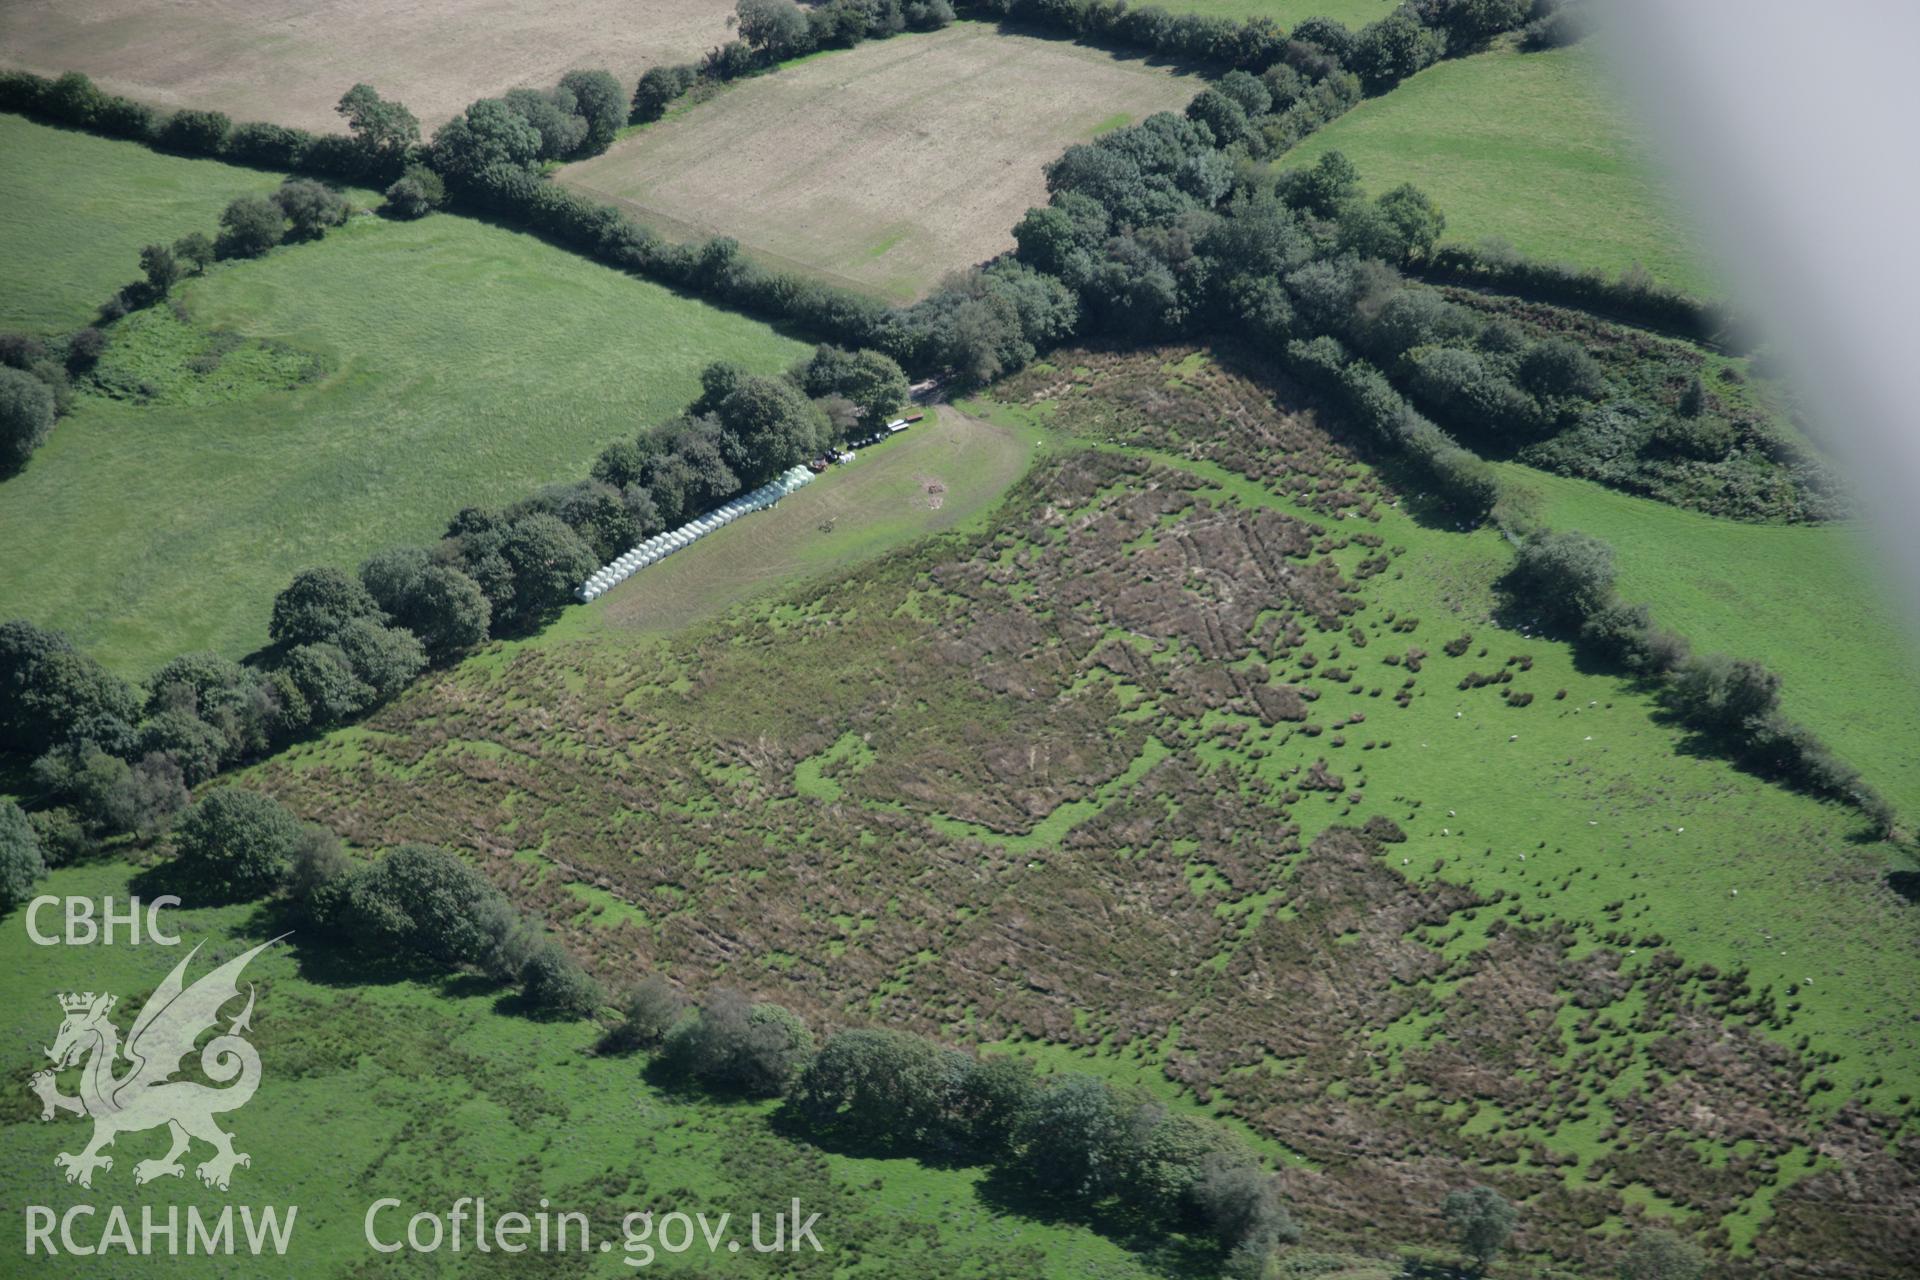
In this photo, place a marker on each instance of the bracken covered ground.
(1203, 759)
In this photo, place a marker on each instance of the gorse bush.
(1564, 577)
(26, 417)
(1482, 1221)
(422, 903)
(647, 1014)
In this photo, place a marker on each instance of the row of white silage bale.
(661, 545)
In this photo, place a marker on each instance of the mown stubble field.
(888, 165)
(289, 62)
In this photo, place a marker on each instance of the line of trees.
(771, 32)
(1072, 1138)
(1565, 582)
(416, 903)
(38, 376)
(119, 760)
(1633, 295)
(250, 226)
(1158, 232)
(370, 152)
(1381, 54)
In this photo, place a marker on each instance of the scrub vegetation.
(1289, 739)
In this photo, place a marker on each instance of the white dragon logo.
(147, 1096)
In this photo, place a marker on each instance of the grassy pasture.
(1536, 148)
(959, 815)
(940, 474)
(1801, 598)
(451, 364)
(378, 1083)
(884, 166)
(289, 62)
(78, 208)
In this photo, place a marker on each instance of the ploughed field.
(885, 166)
(289, 62)
(1202, 761)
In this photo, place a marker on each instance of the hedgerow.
(1564, 581)
(343, 644)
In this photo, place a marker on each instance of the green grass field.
(78, 208)
(376, 1085)
(1801, 598)
(1535, 148)
(458, 365)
